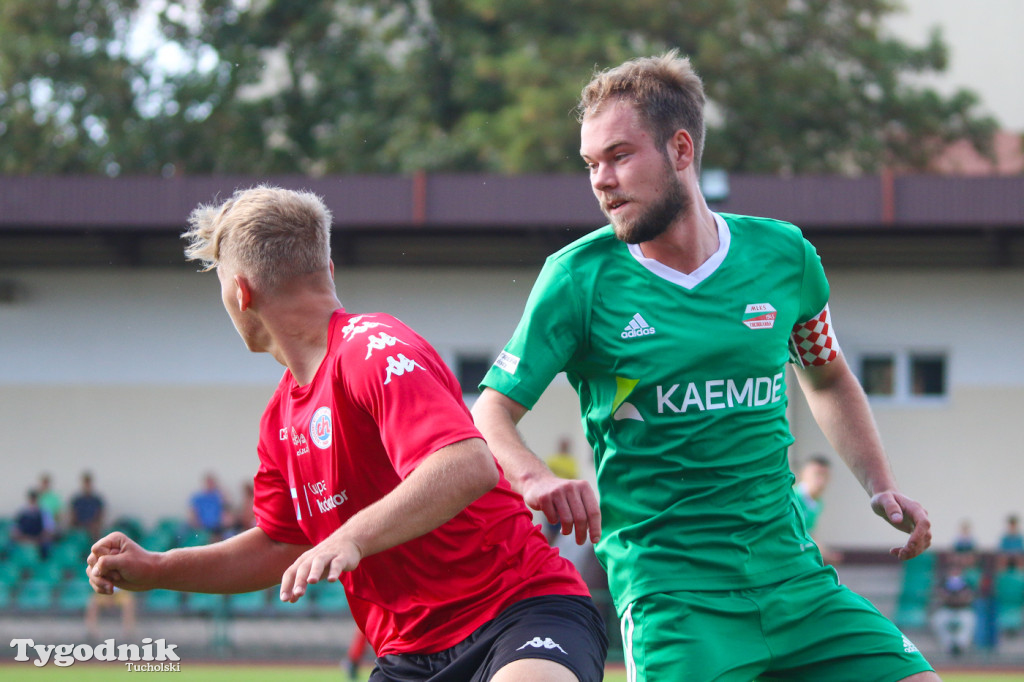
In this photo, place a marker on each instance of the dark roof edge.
(481, 201)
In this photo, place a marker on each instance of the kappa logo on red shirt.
(399, 365)
(357, 326)
(380, 342)
(320, 428)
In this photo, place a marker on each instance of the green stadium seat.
(77, 539)
(69, 556)
(328, 598)
(23, 555)
(300, 609)
(248, 603)
(162, 601)
(195, 537)
(199, 603)
(45, 571)
(171, 524)
(131, 526)
(10, 574)
(5, 597)
(159, 540)
(34, 595)
(74, 595)
(911, 614)
(1008, 597)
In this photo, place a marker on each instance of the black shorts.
(567, 630)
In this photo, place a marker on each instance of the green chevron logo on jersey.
(620, 408)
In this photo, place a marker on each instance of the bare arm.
(243, 563)
(444, 484)
(841, 409)
(572, 503)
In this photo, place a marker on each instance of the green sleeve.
(814, 289)
(549, 335)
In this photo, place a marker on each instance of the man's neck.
(688, 243)
(298, 334)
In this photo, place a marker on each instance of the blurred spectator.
(33, 524)
(50, 501)
(87, 508)
(1012, 542)
(354, 656)
(1008, 596)
(964, 541)
(120, 600)
(954, 620)
(243, 518)
(811, 482)
(208, 509)
(562, 464)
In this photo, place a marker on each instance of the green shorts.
(805, 628)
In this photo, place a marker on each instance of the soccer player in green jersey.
(674, 324)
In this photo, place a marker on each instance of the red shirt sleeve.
(276, 507)
(401, 381)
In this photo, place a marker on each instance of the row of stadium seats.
(57, 583)
(322, 599)
(920, 585)
(34, 596)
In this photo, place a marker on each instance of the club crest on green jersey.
(759, 316)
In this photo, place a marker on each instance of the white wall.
(139, 376)
(961, 457)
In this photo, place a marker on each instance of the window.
(904, 376)
(470, 370)
(927, 375)
(876, 374)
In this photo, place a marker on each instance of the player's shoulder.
(354, 330)
(369, 344)
(760, 226)
(598, 242)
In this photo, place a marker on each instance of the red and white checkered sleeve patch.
(813, 343)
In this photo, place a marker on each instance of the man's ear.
(243, 293)
(331, 263)
(681, 151)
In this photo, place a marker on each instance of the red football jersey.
(381, 402)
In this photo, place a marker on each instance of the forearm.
(497, 416)
(243, 563)
(841, 410)
(438, 489)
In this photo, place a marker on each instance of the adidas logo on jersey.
(637, 327)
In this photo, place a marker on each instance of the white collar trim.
(707, 268)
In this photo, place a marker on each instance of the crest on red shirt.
(320, 428)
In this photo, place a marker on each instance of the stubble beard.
(656, 218)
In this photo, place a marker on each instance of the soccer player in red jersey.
(372, 474)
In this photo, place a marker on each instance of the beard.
(655, 219)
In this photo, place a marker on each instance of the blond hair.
(666, 92)
(269, 233)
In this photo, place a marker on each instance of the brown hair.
(666, 92)
(269, 233)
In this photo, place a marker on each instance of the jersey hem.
(707, 583)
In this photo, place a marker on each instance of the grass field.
(198, 672)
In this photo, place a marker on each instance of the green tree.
(337, 86)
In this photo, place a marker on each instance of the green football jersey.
(681, 381)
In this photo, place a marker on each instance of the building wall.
(139, 376)
(959, 456)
